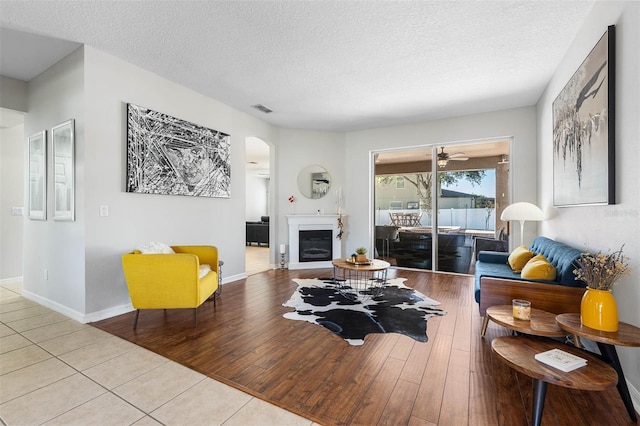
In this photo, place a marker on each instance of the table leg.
(539, 393)
(485, 323)
(610, 356)
(576, 341)
(378, 283)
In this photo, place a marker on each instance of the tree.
(488, 206)
(422, 183)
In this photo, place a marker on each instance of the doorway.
(431, 221)
(13, 209)
(257, 205)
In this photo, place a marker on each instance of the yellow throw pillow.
(519, 257)
(539, 268)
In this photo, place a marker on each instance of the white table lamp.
(522, 212)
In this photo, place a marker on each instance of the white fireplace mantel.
(304, 222)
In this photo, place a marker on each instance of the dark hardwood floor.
(452, 379)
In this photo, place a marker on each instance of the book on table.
(561, 360)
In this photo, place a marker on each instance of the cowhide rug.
(399, 309)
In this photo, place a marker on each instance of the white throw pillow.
(204, 270)
(155, 248)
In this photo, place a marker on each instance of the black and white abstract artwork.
(166, 155)
(583, 131)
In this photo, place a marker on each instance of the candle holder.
(521, 309)
(283, 252)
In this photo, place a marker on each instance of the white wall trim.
(75, 315)
(233, 278)
(108, 313)
(635, 396)
(14, 280)
(55, 306)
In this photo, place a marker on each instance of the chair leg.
(195, 317)
(135, 321)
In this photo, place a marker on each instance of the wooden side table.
(542, 323)
(627, 335)
(518, 352)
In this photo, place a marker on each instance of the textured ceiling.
(331, 65)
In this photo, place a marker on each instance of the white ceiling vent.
(262, 108)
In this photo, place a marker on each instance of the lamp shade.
(522, 211)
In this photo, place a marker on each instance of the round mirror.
(314, 181)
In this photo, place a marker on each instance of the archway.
(257, 205)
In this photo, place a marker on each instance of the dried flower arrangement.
(601, 271)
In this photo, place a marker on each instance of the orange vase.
(598, 310)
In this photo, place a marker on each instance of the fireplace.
(313, 241)
(315, 246)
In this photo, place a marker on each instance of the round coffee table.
(360, 281)
(518, 352)
(542, 323)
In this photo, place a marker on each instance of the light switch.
(104, 211)
(17, 211)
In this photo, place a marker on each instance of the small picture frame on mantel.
(63, 142)
(37, 145)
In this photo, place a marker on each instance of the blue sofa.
(497, 284)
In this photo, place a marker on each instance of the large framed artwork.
(63, 142)
(584, 131)
(38, 176)
(166, 155)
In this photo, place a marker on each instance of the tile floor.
(256, 259)
(56, 371)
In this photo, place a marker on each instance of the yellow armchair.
(171, 281)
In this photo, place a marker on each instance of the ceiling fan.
(444, 158)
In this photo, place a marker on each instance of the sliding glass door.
(430, 220)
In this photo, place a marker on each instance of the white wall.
(14, 93)
(256, 197)
(84, 257)
(55, 96)
(519, 123)
(139, 218)
(298, 149)
(12, 161)
(604, 228)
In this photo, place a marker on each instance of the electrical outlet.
(17, 211)
(46, 274)
(104, 211)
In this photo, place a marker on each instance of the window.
(471, 190)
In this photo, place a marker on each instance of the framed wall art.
(166, 155)
(63, 143)
(584, 131)
(38, 176)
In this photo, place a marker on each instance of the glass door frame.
(435, 185)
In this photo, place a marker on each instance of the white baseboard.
(277, 266)
(108, 313)
(635, 396)
(54, 306)
(233, 278)
(13, 280)
(75, 315)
